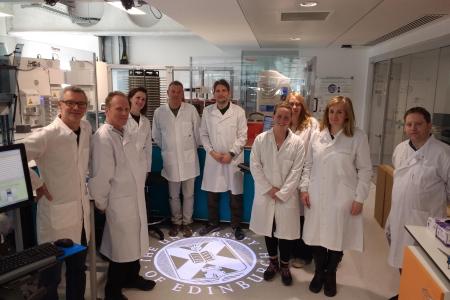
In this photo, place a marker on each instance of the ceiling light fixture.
(2, 14)
(295, 39)
(308, 4)
(131, 11)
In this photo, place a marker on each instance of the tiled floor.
(360, 276)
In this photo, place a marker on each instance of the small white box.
(443, 231)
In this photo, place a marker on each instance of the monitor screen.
(267, 123)
(15, 183)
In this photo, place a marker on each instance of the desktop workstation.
(16, 193)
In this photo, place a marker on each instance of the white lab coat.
(117, 187)
(143, 136)
(223, 133)
(336, 173)
(305, 136)
(306, 133)
(63, 167)
(421, 190)
(178, 137)
(281, 168)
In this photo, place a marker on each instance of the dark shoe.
(271, 270)
(329, 286)
(187, 231)
(141, 284)
(209, 228)
(394, 298)
(115, 296)
(238, 233)
(316, 283)
(286, 276)
(174, 229)
(320, 261)
(334, 258)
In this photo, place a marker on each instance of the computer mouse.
(64, 243)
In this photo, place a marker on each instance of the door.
(378, 109)
(396, 106)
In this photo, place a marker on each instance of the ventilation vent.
(405, 28)
(304, 16)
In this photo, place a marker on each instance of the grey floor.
(361, 276)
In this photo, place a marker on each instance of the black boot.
(320, 259)
(334, 258)
(272, 269)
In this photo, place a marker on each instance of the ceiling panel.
(264, 18)
(390, 15)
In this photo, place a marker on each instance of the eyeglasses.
(72, 104)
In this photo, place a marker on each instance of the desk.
(430, 244)
(424, 272)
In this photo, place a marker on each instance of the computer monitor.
(267, 123)
(15, 183)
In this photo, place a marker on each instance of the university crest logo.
(209, 265)
(205, 260)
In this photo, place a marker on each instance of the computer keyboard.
(29, 260)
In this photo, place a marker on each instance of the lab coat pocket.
(63, 215)
(286, 167)
(169, 157)
(189, 156)
(121, 209)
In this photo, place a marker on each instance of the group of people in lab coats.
(310, 181)
(328, 170)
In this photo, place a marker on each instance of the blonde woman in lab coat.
(335, 182)
(303, 125)
(421, 182)
(139, 126)
(116, 184)
(276, 163)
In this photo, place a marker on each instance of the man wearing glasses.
(61, 153)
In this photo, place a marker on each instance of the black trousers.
(119, 275)
(235, 206)
(299, 248)
(50, 278)
(274, 244)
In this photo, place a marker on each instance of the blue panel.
(159, 191)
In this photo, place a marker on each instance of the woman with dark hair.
(139, 126)
(334, 184)
(303, 125)
(276, 163)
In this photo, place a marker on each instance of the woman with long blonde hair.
(334, 184)
(303, 125)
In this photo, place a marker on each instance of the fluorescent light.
(295, 39)
(2, 14)
(132, 11)
(308, 4)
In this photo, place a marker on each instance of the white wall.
(169, 50)
(337, 62)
